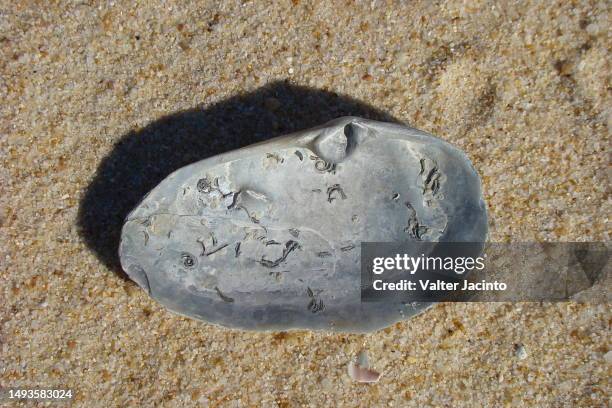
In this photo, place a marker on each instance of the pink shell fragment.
(359, 371)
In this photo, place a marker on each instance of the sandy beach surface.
(101, 100)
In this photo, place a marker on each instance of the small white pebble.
(608, 357)
(520, 352)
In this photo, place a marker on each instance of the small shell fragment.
(360, 370)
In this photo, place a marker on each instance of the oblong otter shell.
(268, 236)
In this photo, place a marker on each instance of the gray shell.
(268, 237)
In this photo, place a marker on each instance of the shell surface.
(268, 237)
